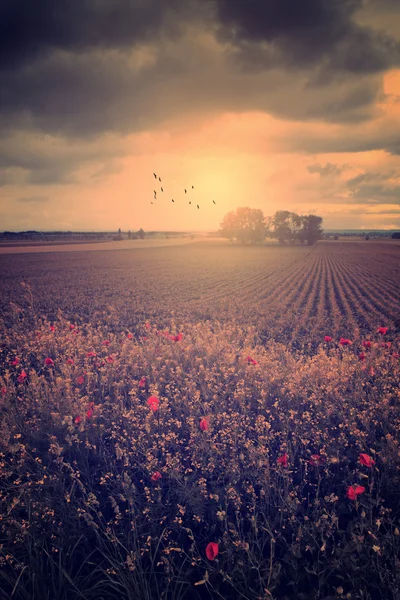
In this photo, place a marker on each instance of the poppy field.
(208, 421)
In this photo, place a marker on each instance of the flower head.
(142, 382)
(366, 460)
(354, 490)
(327, 338)
(316, 460)
(212, 550)
(367, 344)
(21, 376)
(283, 460)
(251, 361)
(345, 342)
(49, 362)
(382, 330)
(156, 476)
(153, 402)
(204, 424)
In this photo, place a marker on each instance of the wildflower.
(147, 325)
(371, 371)
(77, 419)
(353, 492)
(52, 328)
(110, 359)
(212, 550)
(4, 390)
(80, 379)
(156, 476)
(15, 362)
(251, 361)
(386, 344)
(153, 403)
(367, 344)
(283, 460)
(89, 413)
(327, 338)
(362, 356)
(70, 361)
(72, 326)
(366, 460)
(204, 424)
(129, 336)
(142, 382)
(22, 376)
(90, 354)
(49, 362)
(345, 342)
(382, 330)
(105, 343)
(316, 460)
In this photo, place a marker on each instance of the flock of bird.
(162, 190)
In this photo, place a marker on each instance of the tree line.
(249, 225)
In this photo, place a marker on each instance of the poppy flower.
(156, 476)
(316, 460)
(353, 492)
(15, 362)
(204, 424)
(345, 342)
(109, 359)
(49, 362)
(283, 460)
(52, 328)
(147, 325)
(366, 460)
(72, 326)
(382, 330)
(105, 343)
(386, 344)
(212, 550)
(367, 344)
(153, 403)
(77, 419)
(70, 361)
(22, 376)
(396, 355)
(129, 336)
(80, 379)
(327, 338)
(89, 413)
(371, 371)
(142, 382)
(251, 361)
(90, 354)
(362, 356)
(4, 390)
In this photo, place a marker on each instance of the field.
(175, 423)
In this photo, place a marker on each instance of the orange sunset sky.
(268, 104)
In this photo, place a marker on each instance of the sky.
(272, 104)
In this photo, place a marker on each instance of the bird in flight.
(172, 200)
(185, 191)
(155, 176)
(190, 203)
(155, 194)
(198, 206)
(214, 202)
(159, 179)
(162, 190)
(192, 187)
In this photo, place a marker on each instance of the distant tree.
(246, 225)
(396, 235)
(129, 235)
(119, 231)
(311, 230)
(141, 234)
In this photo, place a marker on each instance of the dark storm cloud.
(375, 188)
(328, 170)
(306, 34)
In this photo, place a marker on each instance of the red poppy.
(366, 460)
(212, 550)
(49, 362)
(142, 382)
(72, 326)
(327, 338)
(353, 492)
(316, 460)
(147, 325)
(22, 376)
(80, 379)
(283, 460)
(89, 413)
(110, 359)
(153, 403)
(156, 476)
(396, 355)
(386, 344)
(367, 344)
(70, 361)
(129, 336)
(204, 424)
(105, 343)
(382, 330)
(362, 356)
(77, 419)
(15, 362)
(371, 371)
(4, 390)
(90, 354)
(52, 328)
(251, 361)
(345, 342)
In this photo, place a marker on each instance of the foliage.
(246, 225)
(288, 227)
